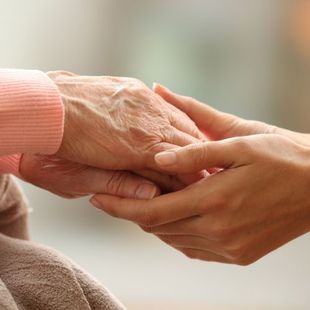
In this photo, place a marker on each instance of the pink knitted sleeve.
(10, 164)
(31, 116)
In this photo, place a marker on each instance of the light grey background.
(229, 53)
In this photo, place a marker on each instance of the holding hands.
(112, 126)
(127, 144)
(254, 202)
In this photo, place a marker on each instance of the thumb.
(196, 157)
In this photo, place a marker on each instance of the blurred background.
(251, 58)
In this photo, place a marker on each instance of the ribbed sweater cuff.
(31, 113)
(10, 164)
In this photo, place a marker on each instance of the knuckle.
(116, 182)
(166, 132)
(202, 154)
(245, 146)
(271, 129)
(241, 145)
(219, 201)
(198, 154)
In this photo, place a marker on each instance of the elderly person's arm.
(105, 122)
(31, 121)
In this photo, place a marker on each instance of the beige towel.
(37, 277)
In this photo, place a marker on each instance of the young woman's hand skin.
(258, 202)
(72, 180)
(218, 125)
(118, 123)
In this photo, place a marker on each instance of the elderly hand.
(118, 123)
(258, 202)
(73, 180)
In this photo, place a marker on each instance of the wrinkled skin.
(111, 123)
(256, 201)
(72, 180)
(118, 123)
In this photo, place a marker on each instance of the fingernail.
(95, 203)
(166, 158)
(146, 191)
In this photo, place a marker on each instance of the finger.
(158, 211)
(187, 226)
(180, 138)
(187, 178)
(213, 122)
(182, 122)
(167, 183)
(157, 148)
(171, 183)
(118, 183)
(232, 152)
(191, 178)
(70, 179)
(209, 226)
